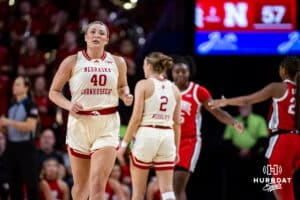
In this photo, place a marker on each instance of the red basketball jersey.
(192, 99)
(282, 111)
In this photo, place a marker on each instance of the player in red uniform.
(284, 123)
(193, 97)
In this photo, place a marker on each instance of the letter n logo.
(236, 14)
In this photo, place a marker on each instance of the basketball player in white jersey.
(155, 127)
(97, 80)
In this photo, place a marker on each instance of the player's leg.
(282, 156)
(105, 137)
(276, 194)
(164, 165)
(181, 178)
(189, 152)
(143, 149)
(80, 166)
(287, 190)
(165, 182)
(79, 155)
(139, 178)
(102, 163)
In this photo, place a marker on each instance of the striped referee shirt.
(20, 111)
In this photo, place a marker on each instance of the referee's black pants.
(22, 170)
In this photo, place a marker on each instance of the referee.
(21, 153)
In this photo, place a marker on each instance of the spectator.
(114, 190)
(91, 13)
(127, 50)
(68, 47)
(46, 149)
(58, 21)
(31, 61)
(51, 186)
(20, 26)
(4, 93)
(43, 13)
(47, 110)
(4, 16)
(5, 83)
(117, 175)
(4, 186)
(5, 61)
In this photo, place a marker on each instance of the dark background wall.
(222, 75)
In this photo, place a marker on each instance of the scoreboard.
(235, 27)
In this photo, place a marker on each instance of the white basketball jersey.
(159, 108)
(94, 82)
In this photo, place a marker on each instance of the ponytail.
(160, 62)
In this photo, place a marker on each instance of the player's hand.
(75, 107)
(120, 155)
(239, 127)
(121, 151)
(217, 103)
(128, 99)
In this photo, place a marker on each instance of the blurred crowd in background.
(35, 36)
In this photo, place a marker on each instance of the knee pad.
(168, 195)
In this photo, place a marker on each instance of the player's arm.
(137, 112)
(219, 114)
(176, 118)
(123, 89)
(268, 91)
(204, 96)
(61, 77)
(224, 116)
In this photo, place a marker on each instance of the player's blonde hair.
(159, 61)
